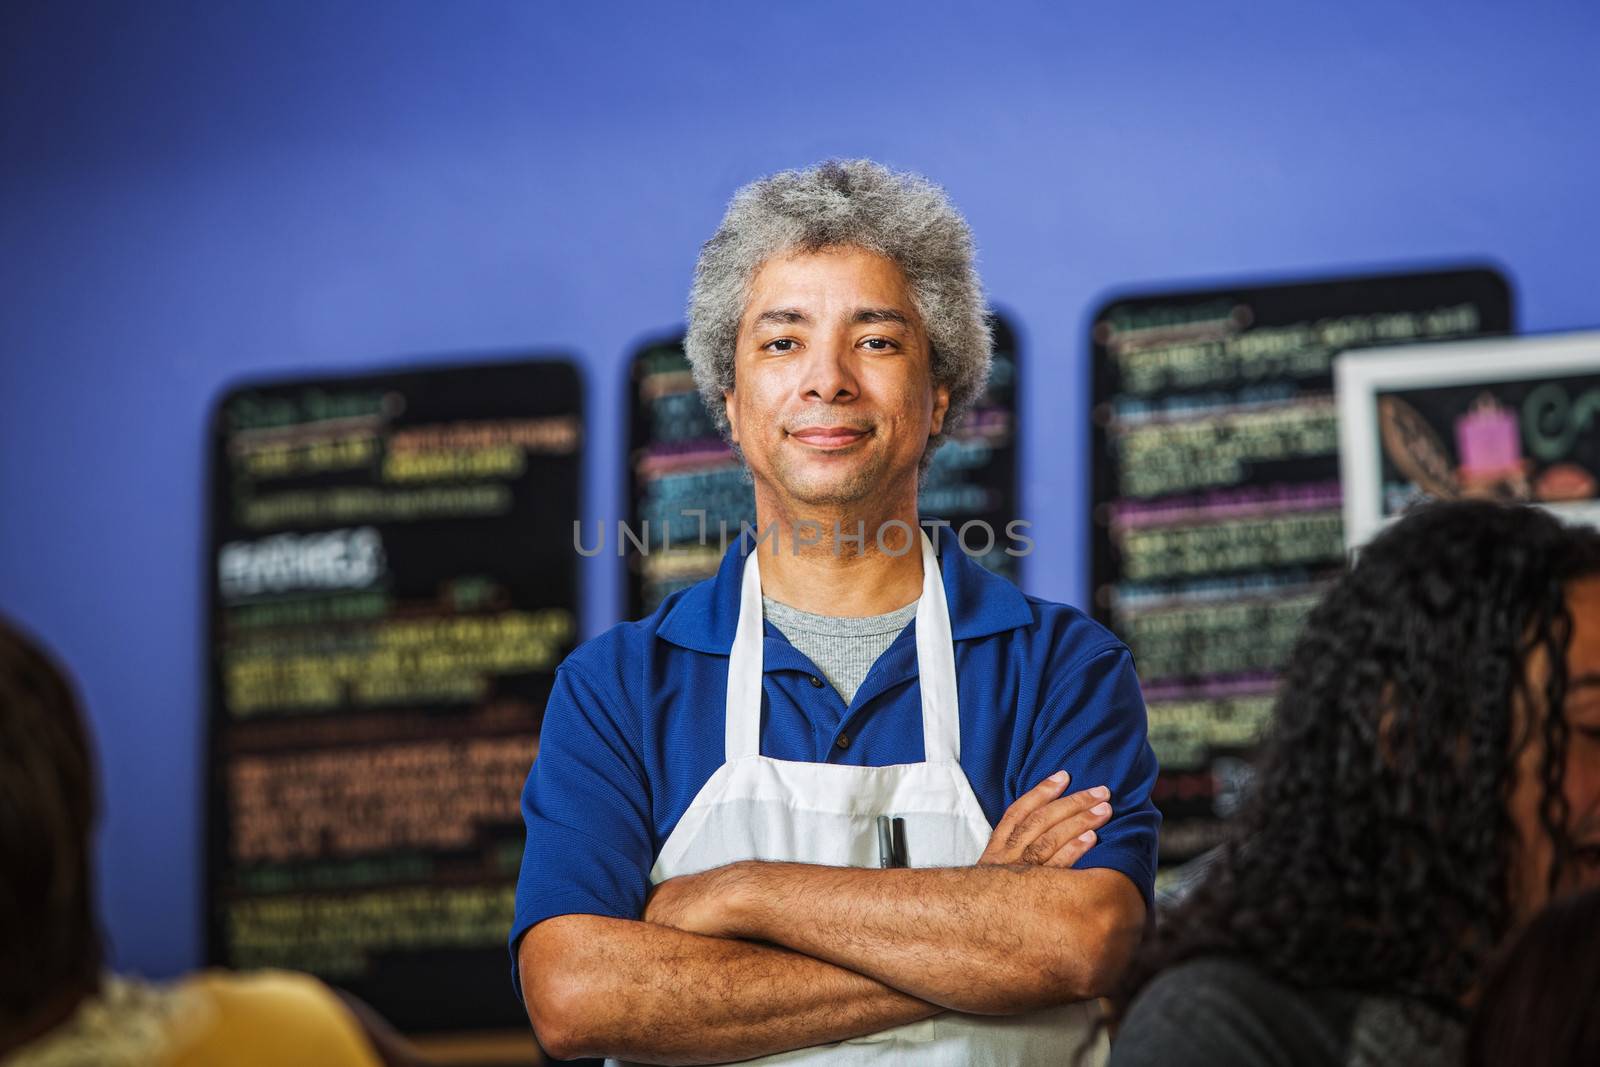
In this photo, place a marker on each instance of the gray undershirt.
(843, 648)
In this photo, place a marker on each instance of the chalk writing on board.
(392, 589)
(343, 802)
(337, 936)
(1217, 504)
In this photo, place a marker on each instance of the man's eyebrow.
(782, 317)
(866, 315)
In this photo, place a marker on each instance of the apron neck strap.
(936, 666)
(743, 729)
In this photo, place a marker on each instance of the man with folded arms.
(704, 879)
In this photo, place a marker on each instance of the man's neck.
(829, 561)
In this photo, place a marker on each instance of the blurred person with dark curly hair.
(1431, 780)
(59, 1006)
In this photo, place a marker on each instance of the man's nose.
(829, 374)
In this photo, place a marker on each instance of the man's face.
(1531, 871)
(833, 400)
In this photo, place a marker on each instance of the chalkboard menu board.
(1508, 419)
(392, 585)
(1216, 497)
(686, 486)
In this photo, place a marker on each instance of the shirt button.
(843, 742)
(815, 681)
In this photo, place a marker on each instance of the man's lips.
(829, 436)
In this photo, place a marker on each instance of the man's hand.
(1041, 830)
(694, 903)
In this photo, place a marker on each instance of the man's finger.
(1074, 850)
(1043, 819)
(1046, 844)
(1029, 802)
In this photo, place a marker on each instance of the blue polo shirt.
(634, 728)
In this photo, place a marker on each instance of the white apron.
(758, 808)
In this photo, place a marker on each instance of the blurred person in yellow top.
(58, 1007)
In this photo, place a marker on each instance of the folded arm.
(597, 986)
(1019, 931)
(987, 940)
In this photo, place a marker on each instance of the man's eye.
(878, 344)
(781, 344)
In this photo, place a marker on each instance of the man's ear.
(941, 404)
(729, 409)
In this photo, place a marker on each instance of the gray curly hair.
(901, 216)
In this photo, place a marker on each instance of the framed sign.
(1509, 419)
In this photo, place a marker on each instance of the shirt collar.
(981, 603)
